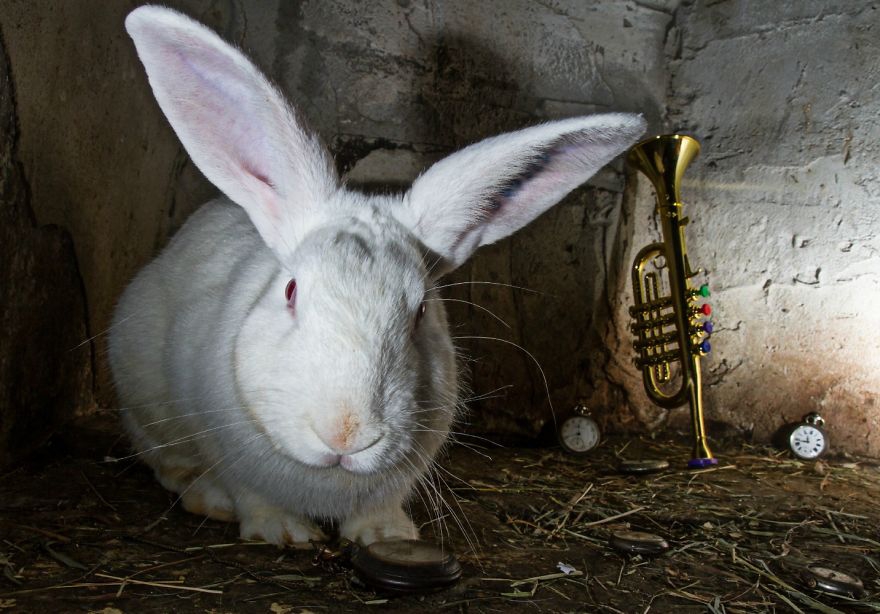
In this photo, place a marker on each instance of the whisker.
(189, 415)
(155, 404)
(472, 447)
(430, 268)
(485, 395)
(486, 283)
(439, 467)
(458, 300)
(456, 434)
(460, 403)
(244, 450)
(430, 504)
(182, 440)
(105, 331)
(466, 532)
(527, 353)
(432, 492)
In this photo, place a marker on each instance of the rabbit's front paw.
(205, 498)
(387, 525)
(276, 526)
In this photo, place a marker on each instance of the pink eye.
(290, 293)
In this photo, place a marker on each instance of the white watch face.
(579, 434)
(807, 441)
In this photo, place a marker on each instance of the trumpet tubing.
(668, 326)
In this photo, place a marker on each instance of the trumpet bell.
(664, 159)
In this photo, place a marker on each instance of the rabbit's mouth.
(359, 463)
(365, 461)
(361, 460)
(352, 463)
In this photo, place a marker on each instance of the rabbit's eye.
(290, 293)
(421, 312)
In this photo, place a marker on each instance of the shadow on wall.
(449, 91)
(547, 288)
(45, 368)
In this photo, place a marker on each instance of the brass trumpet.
(669, 327)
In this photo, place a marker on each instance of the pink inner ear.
(256, 174)
(544, 183)
(539, 185)
(222, 120)
(265, 190)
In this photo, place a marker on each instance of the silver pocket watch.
(807, 440)
(579, 433)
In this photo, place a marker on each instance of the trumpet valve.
(703, 310)
(702, 348)
(647, 307)
(701, 328)
(701, 292)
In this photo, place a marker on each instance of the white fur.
(334, 408)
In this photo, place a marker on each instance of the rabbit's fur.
(331, 405)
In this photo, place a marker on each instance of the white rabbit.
(281, 362)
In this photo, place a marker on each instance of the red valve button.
(706, 309)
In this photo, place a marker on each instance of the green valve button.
(704, 290)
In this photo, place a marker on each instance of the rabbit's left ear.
(488, 190)
(237, 127)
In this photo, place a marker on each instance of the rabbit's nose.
(345, 435)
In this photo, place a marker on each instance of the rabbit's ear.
(488, 190)
(237, 127)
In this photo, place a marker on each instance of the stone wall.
(390, 86)
(785, 199)
(393, 86)
(779, 94)
(45, 361)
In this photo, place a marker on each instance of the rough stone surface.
(45, 371)
(394, 86)
(391, 87)
(98, 156)
(784, 199)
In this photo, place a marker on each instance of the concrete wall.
(97, 154)
(393, 85)
(786, 203)
(45, 369)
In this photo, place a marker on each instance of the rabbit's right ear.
(237, 127)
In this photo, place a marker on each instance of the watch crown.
(581, 410)
(814, 419)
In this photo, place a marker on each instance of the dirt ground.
(81, 533)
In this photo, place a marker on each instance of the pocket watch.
(397, 566)
(405, 566)
(834, 581)
(579, 433)
(807, 440)
(638, 467)
(638, 542)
